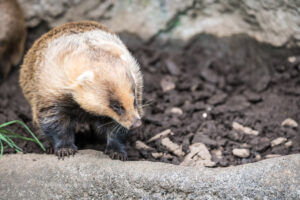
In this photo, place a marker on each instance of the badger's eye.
(117, 107)
(134, 103)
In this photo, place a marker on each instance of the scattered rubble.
(278, 141)
(238, 127)
(160, 135)
(289, 122)
(242, 153)
(141, 145)
(176, 110)
(172, 147)
(199, 156)
(167, 84)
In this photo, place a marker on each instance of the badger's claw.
(116, 155)
(49, 150)
(62, 152)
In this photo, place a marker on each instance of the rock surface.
(274, 22)
(91, 175)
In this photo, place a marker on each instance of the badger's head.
(105, 84)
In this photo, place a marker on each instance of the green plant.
(6, 137)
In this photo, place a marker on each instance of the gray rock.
(274, 22)
(91, 175)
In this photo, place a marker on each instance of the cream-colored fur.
(85, 64)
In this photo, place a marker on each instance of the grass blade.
(15, 135)
(10, 143)
(27, 128)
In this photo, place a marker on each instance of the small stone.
(176, 110)
(278, 141)
(237, 103)
(167, 84)
(217, 99)
(157, 155)
(245, 145)
(172, 147)
(198, 156)
(272, 156)
(242, 153)
(161, 134)
(167, 156)
(288, 143)
(172, 67)
(217, 153)
(252, 97)
(289, 122)
(292, 59)
(258, 157)
(204, 115)
(142, 146)
(238, 127)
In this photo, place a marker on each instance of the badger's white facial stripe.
(85, 76)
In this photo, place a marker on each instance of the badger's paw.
(62, 152)
(116, 155)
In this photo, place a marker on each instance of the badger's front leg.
(116, 145)
(60, 128)
(116, 137)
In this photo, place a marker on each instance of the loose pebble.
(198, 156)
(157, 155)
(242, 153)
(141, 145)
(272, 156)
(167, 84)
(204, 115)
(172, 147)
(217, 153)
(278, 141)
(238, 127)
(288, 143)
(161, 134)
(172, 67)
(289, 122)
(258, 157)
(292, 59)
(167, 156)
(176, 110)
(245, 145)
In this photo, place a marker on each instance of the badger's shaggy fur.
(82, 72)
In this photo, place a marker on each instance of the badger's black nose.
(136, 123)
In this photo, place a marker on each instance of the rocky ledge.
(92, 175)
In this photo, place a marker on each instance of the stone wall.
(273, 21)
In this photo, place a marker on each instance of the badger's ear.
(112, 49)
(85, 77)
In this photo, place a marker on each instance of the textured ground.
(198, 91)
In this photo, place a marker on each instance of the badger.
(81, 72)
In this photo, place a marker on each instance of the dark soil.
(226, 79)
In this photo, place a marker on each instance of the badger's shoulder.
(63, 30)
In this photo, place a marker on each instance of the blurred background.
(274, 22)
(222, 78)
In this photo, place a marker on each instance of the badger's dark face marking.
(117, 107)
